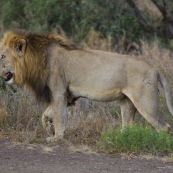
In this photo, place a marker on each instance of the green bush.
(75, 17)
(137, 140)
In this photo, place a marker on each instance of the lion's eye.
(2, 57)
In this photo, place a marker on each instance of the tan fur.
(59, 73)
(33, 69)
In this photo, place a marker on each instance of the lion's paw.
(51, 139)
(49, 127)
(54, 138)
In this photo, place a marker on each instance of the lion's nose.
(2, 57)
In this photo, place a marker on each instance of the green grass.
(136, 140)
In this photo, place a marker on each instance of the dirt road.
(45, 159)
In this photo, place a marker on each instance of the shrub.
(136, 140)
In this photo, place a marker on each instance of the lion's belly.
(98, 95)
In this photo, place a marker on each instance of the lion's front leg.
(47, 121)
(54, 117)
(59, 119)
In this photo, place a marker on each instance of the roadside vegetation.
(137, 140)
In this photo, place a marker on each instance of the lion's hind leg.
(128, 111)
(147, 105)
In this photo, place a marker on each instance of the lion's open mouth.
(7, 76)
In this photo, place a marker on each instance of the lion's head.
(23, 59)
(12, 58)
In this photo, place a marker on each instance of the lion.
(59, 73)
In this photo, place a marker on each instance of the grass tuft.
(136, 140)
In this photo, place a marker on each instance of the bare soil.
(39, 158)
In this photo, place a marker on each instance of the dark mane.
(30, 36)
(42, 92)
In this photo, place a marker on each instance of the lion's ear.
(21, 46)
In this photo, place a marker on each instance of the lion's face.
(7, 65)
(11, 57)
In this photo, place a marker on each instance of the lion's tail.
(167, 92)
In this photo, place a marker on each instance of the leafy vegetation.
(137, 140)
(128, 18)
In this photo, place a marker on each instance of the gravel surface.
(20, 158)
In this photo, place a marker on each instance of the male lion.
(59, 73)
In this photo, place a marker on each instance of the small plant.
(136, 140)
